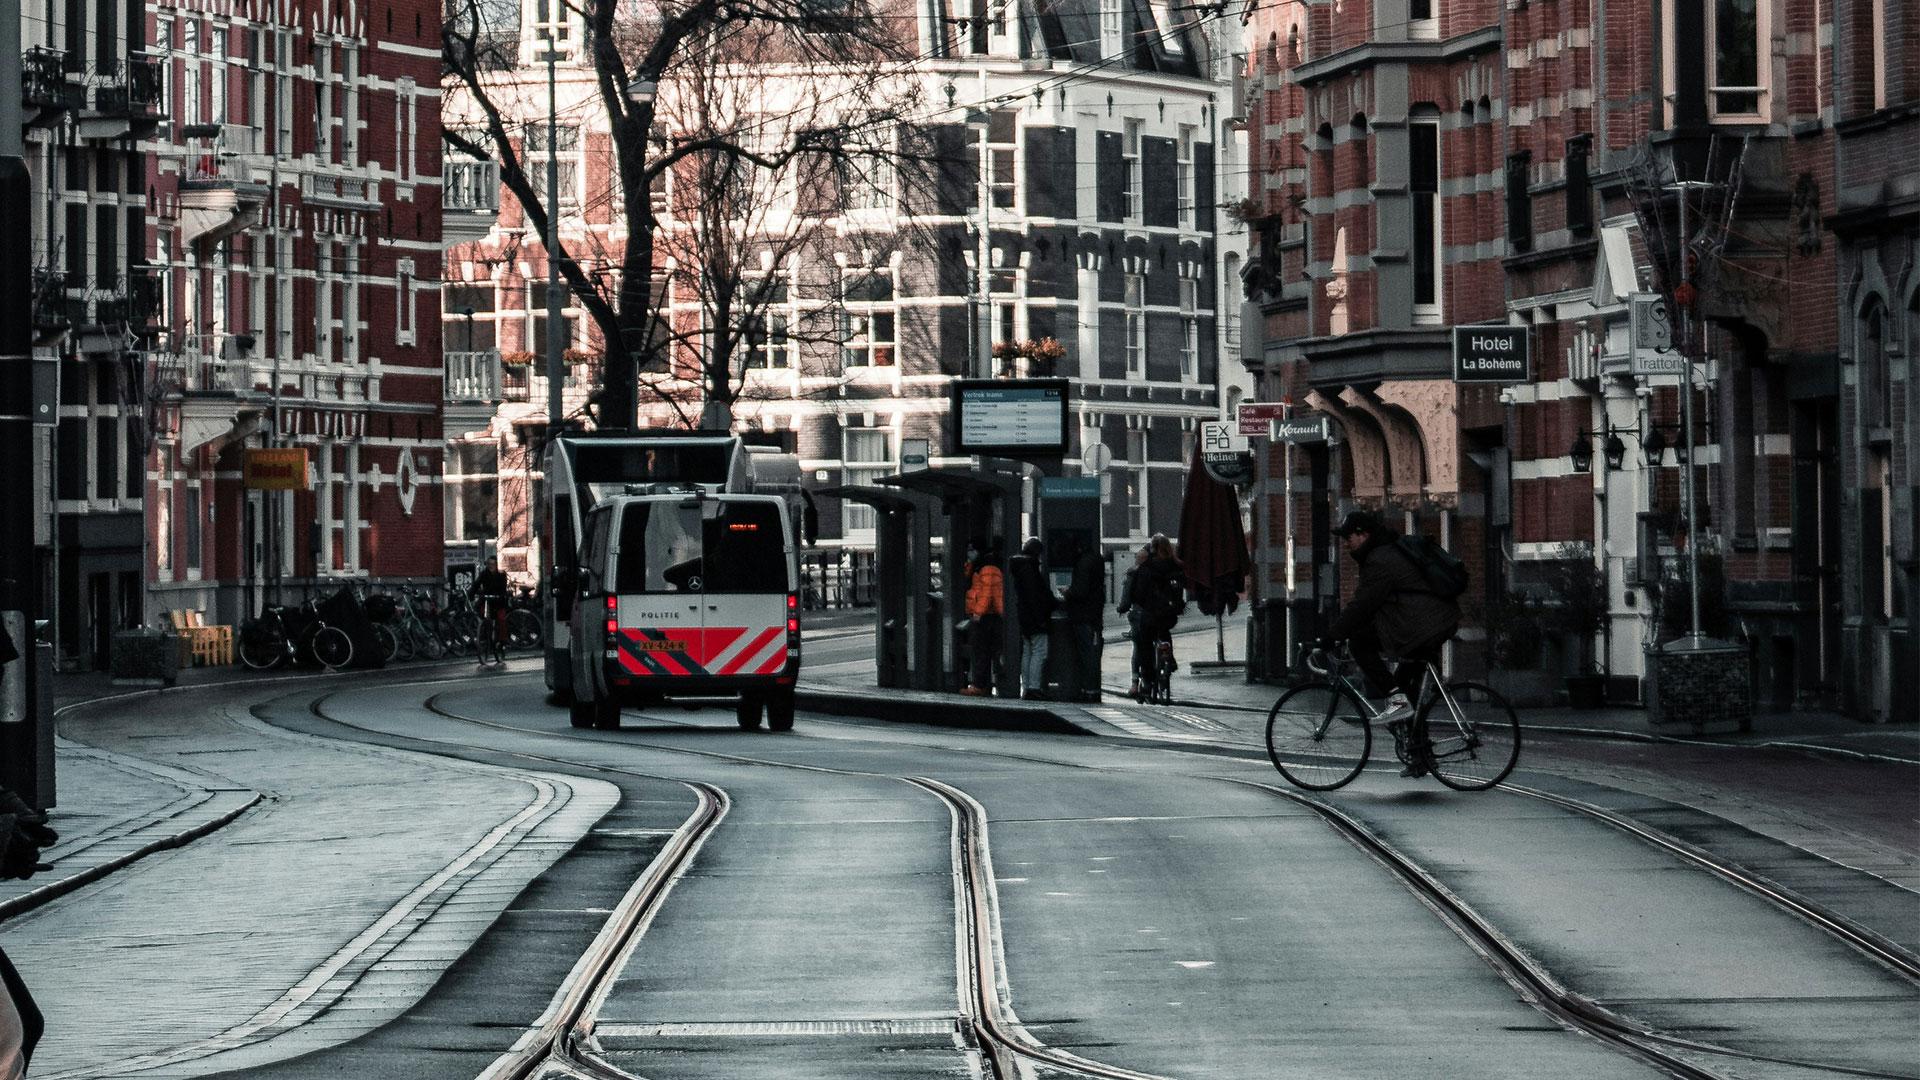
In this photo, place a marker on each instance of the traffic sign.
(913, 453)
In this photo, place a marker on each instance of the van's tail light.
(613, 615)
(793, 616)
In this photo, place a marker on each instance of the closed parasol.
(1213, 546)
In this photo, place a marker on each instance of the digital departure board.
(1014, 417)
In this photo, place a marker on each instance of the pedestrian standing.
(986, 611)
(1034, 602)
(1085, 603)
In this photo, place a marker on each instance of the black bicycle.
(1320, 732)
(286, 635)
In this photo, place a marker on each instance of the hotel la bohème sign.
(1490, 354)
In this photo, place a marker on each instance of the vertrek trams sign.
(1490, 354)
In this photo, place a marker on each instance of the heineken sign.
(1492, 354)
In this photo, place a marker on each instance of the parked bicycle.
(415, 624)
(523, 618)
(1320, 733)
(288, 635)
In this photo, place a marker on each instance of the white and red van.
(686, 594)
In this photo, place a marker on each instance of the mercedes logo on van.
(694, 584)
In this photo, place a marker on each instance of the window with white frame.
(1002, 150)
(537, 317)
(405, 311)
(1737, 58)
(1113, 31)
(868, 455)
(1165, 22)
(867, 312)
(1423, 148)
(766, 329)
(1135, 300)
(1135, 475)
(1421, 24)
(866, 181)
(1130, 156)
(550, 21)
(1183, 176)
(1003, 311)
(1189, 329)
(566, 147)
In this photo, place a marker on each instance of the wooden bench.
(201, 645)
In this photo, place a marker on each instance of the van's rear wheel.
(749, 714)
(580, 713)
(780, 711)
(606, 714)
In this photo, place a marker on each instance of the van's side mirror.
(809, 519)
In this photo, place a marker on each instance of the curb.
(961, 713)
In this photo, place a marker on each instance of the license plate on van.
(661, 645)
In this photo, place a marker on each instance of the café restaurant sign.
(274, 469)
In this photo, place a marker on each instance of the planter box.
(1699, 682)
(146, 658)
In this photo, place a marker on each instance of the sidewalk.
(338, 893)
(1235, 710)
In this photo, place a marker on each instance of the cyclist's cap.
(1357, 521)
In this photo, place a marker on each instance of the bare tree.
(728, 120)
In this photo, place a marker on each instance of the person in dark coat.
(1155, 590)
(1084, 604)
(1392, 611)
(1034, 602)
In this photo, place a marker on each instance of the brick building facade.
(1569, 140)
(1105, 149)
(294, 219)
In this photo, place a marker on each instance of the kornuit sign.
(1490, 354)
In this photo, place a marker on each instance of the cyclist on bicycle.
(489, 596)
(1154, 590)
(1393, 611)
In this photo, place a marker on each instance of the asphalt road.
(1165, 909)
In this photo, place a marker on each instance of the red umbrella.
(1213, 545)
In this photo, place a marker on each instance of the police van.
(685, 593)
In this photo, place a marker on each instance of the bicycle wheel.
(403, 650)
(261, 648)
(386, 643)
(1318, 736)
(523, 629)
(332, 647)
(1475, 736)
(427, 643)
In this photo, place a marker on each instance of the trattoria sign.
(275, 469)
(1495, 354)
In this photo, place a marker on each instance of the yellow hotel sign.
(280, 469)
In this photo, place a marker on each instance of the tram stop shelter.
(962, 504)
(906, 646)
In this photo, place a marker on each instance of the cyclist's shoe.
(1398, 710)
(1419, 759)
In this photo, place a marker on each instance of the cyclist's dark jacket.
(490, 590)
(1394, 599)
(1155, 589)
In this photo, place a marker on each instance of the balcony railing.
(472, 186)
(221, 363)
(132, 88)
(43, 81)
(52, 309)
(473, 376)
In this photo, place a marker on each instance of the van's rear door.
(747, 583)
(660, 616)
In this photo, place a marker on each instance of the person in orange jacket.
(986, 613)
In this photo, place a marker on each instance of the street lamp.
(468, 312)
(1614, 449)
(977, 121)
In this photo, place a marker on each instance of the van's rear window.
(745, 549)
(659, 548)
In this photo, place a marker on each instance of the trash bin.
(145, 657)
(1700, 681)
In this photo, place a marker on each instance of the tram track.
(562, 1038)
(1539, 987)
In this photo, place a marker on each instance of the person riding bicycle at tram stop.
(1154, 590)
(1394, 611)
(986, 611)
(489, 595)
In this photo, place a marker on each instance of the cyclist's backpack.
(1165, 599)
(1444, 573)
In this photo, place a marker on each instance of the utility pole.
(1690, 328)
(556, 347)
